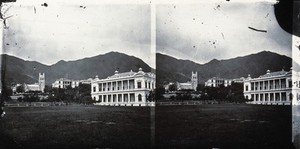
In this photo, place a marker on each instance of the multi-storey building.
(216, 82)
(124, 89)
(273, 88)
(64, 83)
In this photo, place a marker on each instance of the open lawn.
(223, 126)
(180, 126)
(75, 127)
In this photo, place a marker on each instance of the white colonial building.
(124, 89)
(272, 88)
(64, 83)
(217, 81)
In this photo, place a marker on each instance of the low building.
(272, 88)
(40, 86)
(124, 89)
(64, 83)
(217, 81)
(190, 85)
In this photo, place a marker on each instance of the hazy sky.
(219, 29)
(70, 30)
(193, 29)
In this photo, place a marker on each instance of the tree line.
(231, 93)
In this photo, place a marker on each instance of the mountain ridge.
(17, 70)
(254, 64)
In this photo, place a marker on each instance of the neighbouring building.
(124, 89)
(273, 88)
(40, 86)
(64, 83)
(190, 85)
(217, 81)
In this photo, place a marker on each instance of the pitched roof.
(272, 74)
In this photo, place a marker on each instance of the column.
(122, 86)
(268, 87)
(128, 84)
(128, 97)
(279, 84)
(117, 98)
(274, 85)
(117, 85)
(135, 83)
(263, 87)
(280, 96)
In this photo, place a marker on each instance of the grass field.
(197, 126)
(76, 127)
(223, 126)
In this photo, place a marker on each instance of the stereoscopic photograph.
(150, 74)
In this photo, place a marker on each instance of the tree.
(151, 96)
(160, 90)
(20, 89)
(6, 93)
(173, 87)
(3, 10)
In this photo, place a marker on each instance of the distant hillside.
(17, 70)
(170, 69)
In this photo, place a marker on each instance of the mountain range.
(16, 70)
(168, 69)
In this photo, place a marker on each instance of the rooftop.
(272, 74)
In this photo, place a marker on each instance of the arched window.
(140, 97)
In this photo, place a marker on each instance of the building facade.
(40, 86)
(64, 83)
(272, 88)
(216, 82)
(124, 89)
(191, 85)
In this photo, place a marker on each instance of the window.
(140, 97)
(139, 85)
(290, 83)
(266, 97)
(109, 98)
(100, 87)
(94, 89)
(146, 85)
(114, 98)
(100, 98)
(119, 98)
(132, 98)
(283, 96)
(246, 87)
(272, 97)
